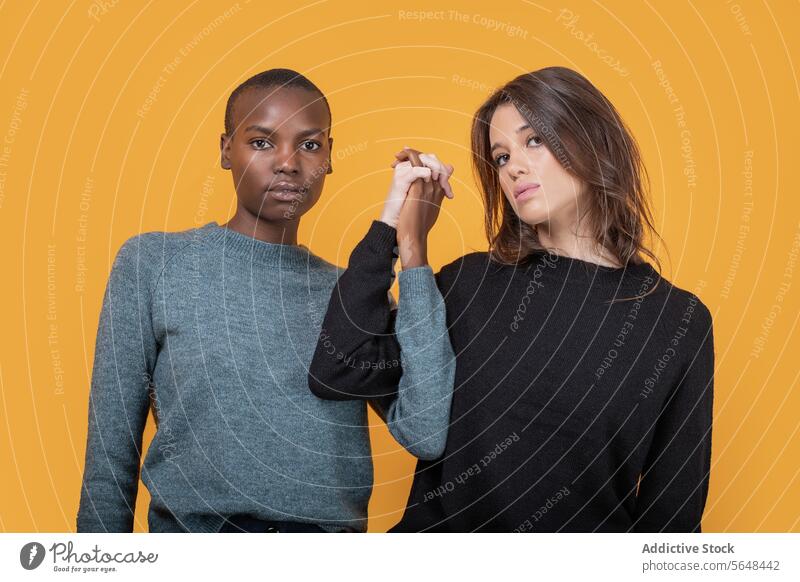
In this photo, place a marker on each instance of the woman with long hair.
(584, 379)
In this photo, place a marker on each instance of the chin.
(271, 212)
(532, 216)
(283, 213)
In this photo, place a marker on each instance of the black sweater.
(570, 412)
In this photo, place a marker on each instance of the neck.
(283, 232)
(574, 240)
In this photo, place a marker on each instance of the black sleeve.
(674, 484)
(357, 354)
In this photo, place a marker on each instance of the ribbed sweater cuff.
(417, 281)
(381, 237)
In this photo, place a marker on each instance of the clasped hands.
(419, 184)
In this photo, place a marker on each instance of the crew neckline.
(253, 250)
(578, 272)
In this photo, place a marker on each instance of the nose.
(517, 165)
(285, 161)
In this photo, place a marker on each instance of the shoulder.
(679, 298)
(465, 268)
(474, 270)
(322, 271)
(320, 265)
(685, 310)
(146, 253)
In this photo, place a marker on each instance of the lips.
(523, 191)
(286, 191)
(286, 187)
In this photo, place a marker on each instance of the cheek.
(507, 185)
(314, 172)
(247, 166)
(559, 185)
(566, 188)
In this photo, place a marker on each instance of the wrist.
(415, 262)
(388, 219)
(381, 238)
(413, 252)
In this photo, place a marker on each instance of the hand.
(404, 175)
(421, 208)
(439, 171)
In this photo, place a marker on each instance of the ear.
(330, 152)
(225, 150)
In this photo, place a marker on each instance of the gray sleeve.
(125, 354)
(420, 415)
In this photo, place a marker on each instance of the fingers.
(401, 156)
(439, 171)
(444, 173)
(432, 162)
(407, 153)
(448, 189)
(421, 172)
(444, 180)
(414, 157)
(429, 188)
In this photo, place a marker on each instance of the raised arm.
(124, 358)
(357, 354)
(674, 483)
(404, 365)
(419, 416)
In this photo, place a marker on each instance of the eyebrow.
(270, 131)
(260, 128)
(520, 128)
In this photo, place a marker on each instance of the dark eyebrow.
(310, 132)
(260, 128)
(270, 131)
(520, 128)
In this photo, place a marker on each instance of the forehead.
(286, 110)
(504, 122)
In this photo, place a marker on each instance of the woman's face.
(280, 152)
(536, 185)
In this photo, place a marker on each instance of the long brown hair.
(586, 134)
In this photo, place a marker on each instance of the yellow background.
(83, 156)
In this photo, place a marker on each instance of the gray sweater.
(214, 331)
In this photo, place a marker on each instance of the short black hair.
(273, 78)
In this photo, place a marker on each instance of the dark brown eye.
(535, 140)
(260, 144)
(311, 146)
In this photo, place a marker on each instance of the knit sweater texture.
(214, 331)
